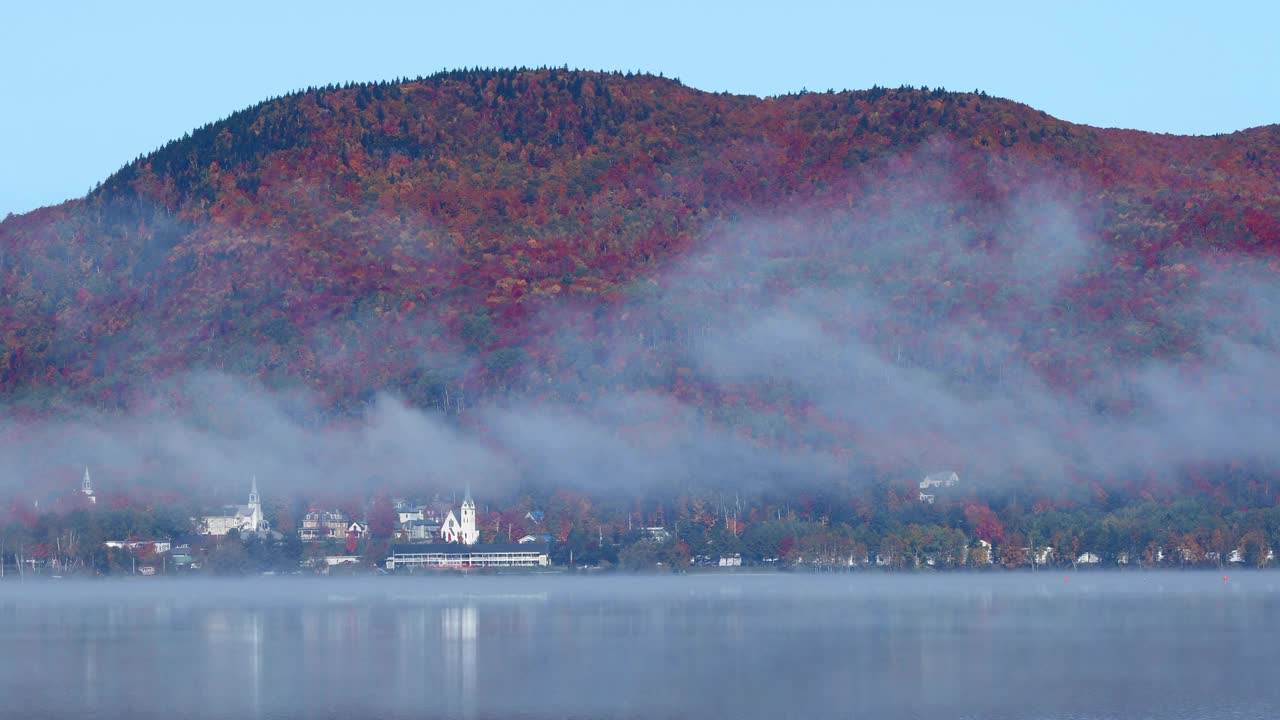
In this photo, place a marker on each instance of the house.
(1237, 556)
(544, 538)
(535, 517)
(437, 556)
(429, 513)
(246, 518)
(981, 553)
(939, 479)
(320, 524)
(418, 531)
(657, 533)
(734, 560)
(1088, 558)
(936, 480)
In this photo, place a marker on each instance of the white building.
(155, 546)
(936, 480)
(657, 533)
(243, 518)
(405, 557)
(461, 528)
(86, 487)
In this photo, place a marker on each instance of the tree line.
(678, 532)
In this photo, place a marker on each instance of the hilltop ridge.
(466, 199)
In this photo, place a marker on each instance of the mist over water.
(1094, 645)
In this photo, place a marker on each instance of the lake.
(1049, 646)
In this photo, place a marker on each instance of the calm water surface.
(1051, 646)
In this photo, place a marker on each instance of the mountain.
(797, 269)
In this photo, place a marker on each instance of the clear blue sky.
(85, 87)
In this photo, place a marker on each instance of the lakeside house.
(319, 524)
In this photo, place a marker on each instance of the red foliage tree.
(382, 517)
(984, 523)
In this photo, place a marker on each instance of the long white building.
(441, 555)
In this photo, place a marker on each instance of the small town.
(82, 537)
(237, 539)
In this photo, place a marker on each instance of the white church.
(243, 518)
(461, 548)
(455, 530)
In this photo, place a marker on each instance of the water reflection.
(460, 628)
(1132, 646)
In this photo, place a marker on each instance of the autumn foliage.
(479, 235)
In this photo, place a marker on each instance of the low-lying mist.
(911, 330)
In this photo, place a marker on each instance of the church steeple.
(257, 523)
(468, 532)
(86, 487)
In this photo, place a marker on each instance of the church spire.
(467, 531)
(86, 486)
(256, 522)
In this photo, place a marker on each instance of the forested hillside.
(832, 290)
